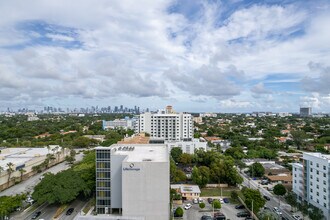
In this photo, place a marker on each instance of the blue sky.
(220, 56)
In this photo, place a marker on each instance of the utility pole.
(252, 210)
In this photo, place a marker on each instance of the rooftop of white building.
(140, 152)
(19, 156)
(319, 155)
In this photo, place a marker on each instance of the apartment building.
(125, 123)
(132, 181)
(311, 181)
(188, 147)
(166, 124)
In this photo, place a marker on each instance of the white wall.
(146, 192)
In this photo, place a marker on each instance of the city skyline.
(199, 56)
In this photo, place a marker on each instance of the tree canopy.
(279, 190)
(255, 197)
(256, 170)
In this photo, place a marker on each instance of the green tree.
(201, 176)
(69, 159)
(178, 212)
(8, 204)
(216, 204)
(255, 197)
(315, 213)
(61, 188)
(291, 199)
(82, 142)
(234, 195)
(279, 190)
(202, 205)
(256, 170)
(10, 170)
(22, 171)
(179, 176)
(298, 138)
(186, 159)
(176, 153)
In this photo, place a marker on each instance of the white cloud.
(127, 50)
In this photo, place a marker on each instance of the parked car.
(29, 200)
(195, 201)
(200, 200)
(188, 206)
(243, 214)
(221, 201)
(36, 215)
(267, 198)
(69, 212)
(219, 216)
(264, 182)
(209, 200)
(226, 200)
(296, 217)
(241, 206)
(206, 217)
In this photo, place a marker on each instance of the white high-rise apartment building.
(166, 124)
(311, 181)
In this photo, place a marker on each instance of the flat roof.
(318, 155)
(19, 156)
(185, 188)
(140, 152)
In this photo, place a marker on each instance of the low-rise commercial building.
(188, 147)
(133, 180)
(126, 123)
(17, 163)
(188, 192)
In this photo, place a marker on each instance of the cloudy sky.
(220, 56)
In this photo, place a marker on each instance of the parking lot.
(196, 213)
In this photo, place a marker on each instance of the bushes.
(202, 205)
(178, 212)
(216, 204)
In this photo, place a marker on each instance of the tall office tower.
(168, 126)
(305, 111)
(311, 181)
(133, 179)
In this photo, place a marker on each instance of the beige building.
(22, 161)
(188, 192)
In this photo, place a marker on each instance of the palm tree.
(22, 171)
(10, 170)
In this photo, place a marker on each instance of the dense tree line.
(18, 132)
(66, 185)
(209, 167)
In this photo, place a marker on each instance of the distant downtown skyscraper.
(305, 111)
(166, 124)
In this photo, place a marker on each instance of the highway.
(273, 202)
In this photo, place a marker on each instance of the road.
(29, 184)
(273, 202)
(47, 211)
